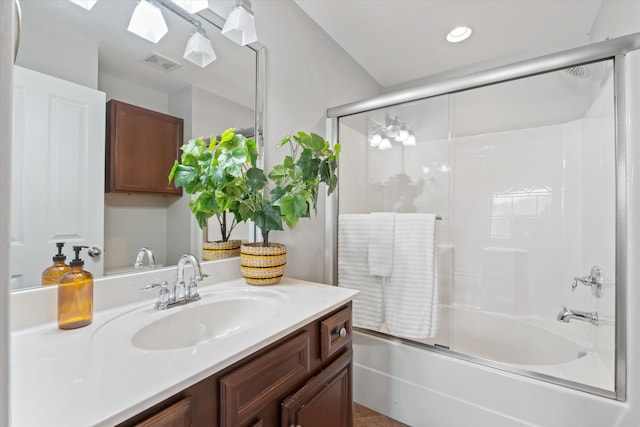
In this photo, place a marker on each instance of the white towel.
(353, 270)
(411, 292)
(381, 230)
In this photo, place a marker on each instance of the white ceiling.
(402, 40)
(231, 76)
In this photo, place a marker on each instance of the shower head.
(579, 71)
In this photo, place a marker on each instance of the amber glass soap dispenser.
(75, 295)
(52, 274)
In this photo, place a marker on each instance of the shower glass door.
(534, 210)
(521, 177)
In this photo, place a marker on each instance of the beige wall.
(307, 72)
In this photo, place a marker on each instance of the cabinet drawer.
(249, 389)
(335, 333)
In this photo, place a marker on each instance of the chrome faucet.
(140, 257)
(190, 293)
(567, 314)
(179, 293)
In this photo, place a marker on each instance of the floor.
(365, 417)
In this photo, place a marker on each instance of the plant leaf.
(293, 208)
(276, 194)
(256, 180)
(268, 219)
(183, 174)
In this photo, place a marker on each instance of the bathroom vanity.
(302, 379)
(241, 356)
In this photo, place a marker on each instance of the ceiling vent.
(161, 63)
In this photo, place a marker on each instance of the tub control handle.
(594, 280)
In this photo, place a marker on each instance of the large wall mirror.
(73, 49)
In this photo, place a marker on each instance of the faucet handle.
(152, 286)
(192, 290)
(163, 296)
(574, 285)
(199, 278)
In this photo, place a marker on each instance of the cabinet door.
(175, 415)
(325, 400)
(142, 146)
(263, 383)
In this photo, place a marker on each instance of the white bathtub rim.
(534, 373)
(544, 395)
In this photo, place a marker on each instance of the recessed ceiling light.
(87, 4)
(458, 34)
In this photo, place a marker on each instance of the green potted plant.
(216, 173)
(287, 194)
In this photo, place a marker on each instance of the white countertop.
(84, 377)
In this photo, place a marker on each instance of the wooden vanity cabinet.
(141, 147)
(291, 382)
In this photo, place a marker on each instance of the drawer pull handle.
(343, 332)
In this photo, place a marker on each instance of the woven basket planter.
(262, 266)
(220, 249)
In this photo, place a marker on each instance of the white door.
(57, 175)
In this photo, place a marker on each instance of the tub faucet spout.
(567, 314)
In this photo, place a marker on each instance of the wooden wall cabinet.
(291, 382)
(141, 147)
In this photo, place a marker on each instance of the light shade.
(192, 6)
(375, 140)
(87, 4)
(385, 144)
(147, 22)
(199, 50)
(410, 141)
(240, 26)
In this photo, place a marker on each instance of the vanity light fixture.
(459, 34)
(147, 19)
(240, 26)
(192, 6)
(394, 130)
(147, 22)
(199, 50)
(385, 144)
(86, 4)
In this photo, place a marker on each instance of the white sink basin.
(219, 314)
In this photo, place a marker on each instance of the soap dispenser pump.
(75, 295)
(52, 274)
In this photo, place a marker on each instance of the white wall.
(213, 114)
(180, 222)
(307, 72)
(134, 221)
(130, 93)
(58, 52)
(6, 127)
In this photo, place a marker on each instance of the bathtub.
(476, 370)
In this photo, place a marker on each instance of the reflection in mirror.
(69, 54)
